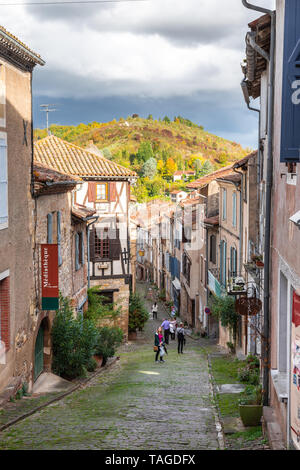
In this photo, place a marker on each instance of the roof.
(82, 212)
(73, 160)
(49, 181)
(11, 43)
(245, 160)
(205, 180)
(256, 64)
(212, 220)
(189, 202)
(232, 178)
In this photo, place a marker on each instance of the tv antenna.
(48, 108)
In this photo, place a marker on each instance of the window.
(234, 207)
(101, 192)
(105, 244)
(79, 250)
(213, 246)
(233, 262)
(224, 204)
(3, 183)
(4, 311)
(186, 267)
(223, 264)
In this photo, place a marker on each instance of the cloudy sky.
(164, 57)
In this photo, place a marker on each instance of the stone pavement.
(136, 404)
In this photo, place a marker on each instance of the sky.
(159, 57)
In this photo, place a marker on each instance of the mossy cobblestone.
(136, 404)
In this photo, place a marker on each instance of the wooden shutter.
(115, 246)
(290, 135)
(3, 183)
(49, 228)
(92, 244)
(76, 251)
(59, 237)
(92, 192)
(113, 191)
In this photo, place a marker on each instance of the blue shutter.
(3, 183)
(224, 204)
(59, 237)
(82, 249)
(76, 251)
(49, 228)
(290, 125)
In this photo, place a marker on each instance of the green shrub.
(138, 314)
(74, 341)
(224, 309)
(251, 396)
(91, 365)
(97, 310)
(109, 338)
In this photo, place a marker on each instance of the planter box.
(251, 414)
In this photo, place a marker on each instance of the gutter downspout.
(266, 331)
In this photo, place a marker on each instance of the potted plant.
(250, 406)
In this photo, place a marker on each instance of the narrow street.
(137, 404)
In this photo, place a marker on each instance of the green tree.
(149, 168)
(145, 152)
(73, 341)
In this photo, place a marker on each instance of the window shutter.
(49, 228)
(59, 237)
(92, 244)
(290, 136)
(76, 251)
(234, 209)
(224, 204)
(113, 192)
(3, 183)
(92, 192)
(82, 250)
(115, 247)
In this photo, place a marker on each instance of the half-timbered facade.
(105, 188)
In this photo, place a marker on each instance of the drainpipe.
(266, 332)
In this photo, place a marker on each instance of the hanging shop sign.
(295, 373)
(50, 289)
(290, 135)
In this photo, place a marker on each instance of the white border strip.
(4, 275)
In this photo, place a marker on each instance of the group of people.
(168, 328)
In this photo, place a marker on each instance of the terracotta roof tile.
(73, 160)
(11, 42)
(81, 212)
(205, 180)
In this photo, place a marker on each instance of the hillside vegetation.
(155, 149)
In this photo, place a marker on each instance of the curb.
(60, 397)
(217, 414)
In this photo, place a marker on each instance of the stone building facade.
(17, 298)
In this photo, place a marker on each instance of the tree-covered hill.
(154, 148)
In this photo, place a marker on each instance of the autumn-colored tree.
(160, 166)
(170, 168)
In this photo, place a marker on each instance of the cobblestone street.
(136, 404)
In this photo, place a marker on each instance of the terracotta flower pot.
(99, 360)
(251, 414)
(132, 335)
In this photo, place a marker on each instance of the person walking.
(173, 328)
(180, 338)
(154, 310)
(158, 343)
(166, 327)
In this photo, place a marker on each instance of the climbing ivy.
(224, 309)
